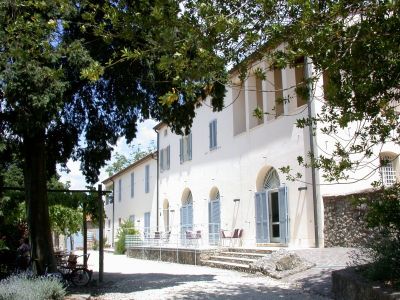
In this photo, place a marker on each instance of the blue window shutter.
(217, 212)
(210, 130)
(168, 157)
(190, 146)
(265, 216)
(162, 160)
(132, 185)
(132, 219)
(262, 218)
(181, 149)
(210, 220)
(257, 206)
(181, 217)
(147, 222)
(283, 215)
(119, 190)
(190, 216)
(215, 133)
(147, 179)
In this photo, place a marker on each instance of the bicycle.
(71, 271)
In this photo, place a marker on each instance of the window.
(147, 179)
(109, 223)
(300, 81)
(255, 100)
(119, 221)
(119, 190)
(147, 224)
(185, 144)
(165, 158)
(132, 185)
(387, 169)
(132, 219)
(165, 132)
(238, 109)
(278, 92)
(213, 134)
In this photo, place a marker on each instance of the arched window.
(387, 168)
(187, 213)
(271, 180)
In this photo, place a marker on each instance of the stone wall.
(347, 284)
(344, 221)
(176, 255)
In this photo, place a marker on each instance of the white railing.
(200, 236)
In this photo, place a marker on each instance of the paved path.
(128, 278)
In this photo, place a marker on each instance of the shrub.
(126, 227)
(95, 245)
(24, 287)
(383, 247)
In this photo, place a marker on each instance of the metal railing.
(197, 236)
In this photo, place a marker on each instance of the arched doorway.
(271, 209)
(186, 212)
(214, 217)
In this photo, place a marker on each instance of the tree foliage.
(65, 220)
(353, 44)
(382, 250)
(77, 75)
(120, 161)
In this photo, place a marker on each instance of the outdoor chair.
(192, 236)
(225, 235)
(166, 237)
(237, 236)
(157, 237)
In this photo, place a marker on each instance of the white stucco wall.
(236, 165)
(138, 205)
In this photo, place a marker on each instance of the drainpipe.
(113, 214)
(158, 175)
(307, 75)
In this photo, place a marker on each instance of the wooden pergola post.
(101, 237)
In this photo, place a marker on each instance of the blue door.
(262, 218)
(214, 225)
(272, 222)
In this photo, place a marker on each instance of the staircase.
(238, 259)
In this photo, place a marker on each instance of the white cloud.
(144, 136)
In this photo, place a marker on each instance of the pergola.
(100, 194)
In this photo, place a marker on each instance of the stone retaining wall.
(349, 285)
(176, 255)
(344, 222)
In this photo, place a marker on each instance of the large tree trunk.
(36, 200)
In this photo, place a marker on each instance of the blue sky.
(144, 136)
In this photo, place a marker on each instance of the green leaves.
(93, 72)
(65, 220)
(169, 98)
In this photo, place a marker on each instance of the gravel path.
(128, 278)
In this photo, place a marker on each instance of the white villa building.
(133, 197)
(225, 174)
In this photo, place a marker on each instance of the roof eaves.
(136, 163)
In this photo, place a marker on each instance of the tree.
(353, 45)
(121, 161)
(64, 220)
(76, 75)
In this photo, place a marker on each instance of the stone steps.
(238, 259)
(243, 254)
(227, 265)
(249, 250)
(233, 259)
